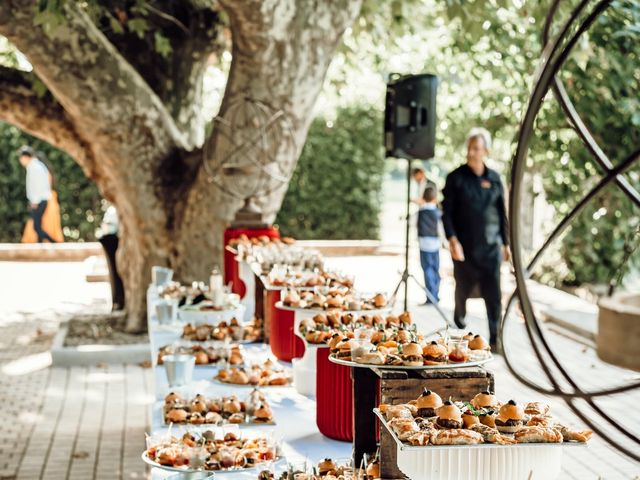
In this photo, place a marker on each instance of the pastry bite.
(486, 406)
(492, 435)
(326, 466)
(263, 414)
(568, 435)
(449, 416)
(457, 436)
(485, 399)
(380, 300)
(335, 340)
(469, 418)
(392, 412)
(177, 416)
(537, 434)
(435, 354)
(405, 319)
(536, 408)
(478, 342)
(404, 336)
(373, 470)
(344, 350)
(172, 397)
(510, 418)
(378, 336)
(428, 403)
(412, 354)
(541, 421)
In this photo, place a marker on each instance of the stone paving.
(63, 423)
(89, 422)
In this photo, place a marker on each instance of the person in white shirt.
(38, 190)
(108, 237)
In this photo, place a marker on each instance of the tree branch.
(103, 94)
(40, 116)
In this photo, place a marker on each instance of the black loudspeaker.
(410, 116)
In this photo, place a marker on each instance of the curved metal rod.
(576, 120)
(604, 181)
(596, 428)
(545, 76)
(587, 139)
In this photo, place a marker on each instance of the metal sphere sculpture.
(562, 384)
(254, 151)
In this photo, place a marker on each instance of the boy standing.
(428, 220)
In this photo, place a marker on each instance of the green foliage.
(335, 190)
(80, 201)
(604, 87)
(485, 54)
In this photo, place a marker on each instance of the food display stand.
(526, 461)
(374, 385)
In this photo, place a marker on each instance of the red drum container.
(285, 345)
(334, 398)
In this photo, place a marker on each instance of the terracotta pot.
(618, 338)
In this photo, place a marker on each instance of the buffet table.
(354, 386)
(293, 413)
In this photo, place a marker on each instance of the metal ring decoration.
(561, 383)
(265, 121)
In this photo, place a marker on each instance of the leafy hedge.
(336, 187)
(80, 201)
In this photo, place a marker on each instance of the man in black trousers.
(475, 223)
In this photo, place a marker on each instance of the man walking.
(475, 223)
(38, 190)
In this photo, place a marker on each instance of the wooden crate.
(401, 386)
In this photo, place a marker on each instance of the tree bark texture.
(142, 140)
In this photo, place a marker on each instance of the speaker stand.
(404, 279)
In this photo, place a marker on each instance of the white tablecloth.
(295, 414)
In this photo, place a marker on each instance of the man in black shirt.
(475, 223)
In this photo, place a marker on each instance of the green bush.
(80, 201)
(604, 88)
(336, 187)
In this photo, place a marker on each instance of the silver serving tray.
(248, 385)
(446, 366)
(414, 448)
(148, 461)
(377, 311)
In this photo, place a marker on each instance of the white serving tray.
(211, 317)
(521, 461)
(445, 366)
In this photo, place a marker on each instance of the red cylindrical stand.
(334, 398)
(231, 272)
(284, 344)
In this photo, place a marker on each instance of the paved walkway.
(63, 423)
(89, 422)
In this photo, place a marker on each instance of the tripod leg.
(402, 281)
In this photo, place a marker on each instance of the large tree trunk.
(146, 161)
